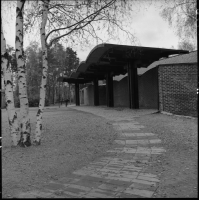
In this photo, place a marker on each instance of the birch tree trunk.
(38, 130)
(2, 77)
(24, 107)
(8, 85)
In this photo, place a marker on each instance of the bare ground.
(178, 167)
(72, 138)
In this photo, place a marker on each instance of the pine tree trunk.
(38, 130)
(24, 107)
(12, 114)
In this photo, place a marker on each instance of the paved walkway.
(121, 174)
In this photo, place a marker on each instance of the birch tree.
(6, 69)
(38, 130)
(24, 107)
(186, 45)
(76, 23)
(182, 16)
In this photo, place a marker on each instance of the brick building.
(178, 79)
(167, 85)
(137, 77)
(177, 83)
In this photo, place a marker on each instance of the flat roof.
(114, 58)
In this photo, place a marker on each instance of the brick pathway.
(118, 175)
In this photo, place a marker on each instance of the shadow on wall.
(81, 96)
(121, 93)
(169, 87)
(148, 90)
(88, 95)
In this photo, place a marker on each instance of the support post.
(109, 90)
(77, 94)
(96, 92)
(133, 86)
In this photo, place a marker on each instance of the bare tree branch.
(107, 5)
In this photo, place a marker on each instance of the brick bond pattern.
(121, 174)
(177, 89)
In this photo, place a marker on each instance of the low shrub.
(33, 102)
(47, 103)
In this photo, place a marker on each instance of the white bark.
(24, 107)
(38, 130)
(2, 78)
(12, 114)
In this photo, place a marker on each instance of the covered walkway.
(108, 60)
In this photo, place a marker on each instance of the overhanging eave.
(105, 58)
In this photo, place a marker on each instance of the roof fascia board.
(178, 64)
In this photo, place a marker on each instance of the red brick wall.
(177, 89)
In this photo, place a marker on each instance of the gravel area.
(70, 140)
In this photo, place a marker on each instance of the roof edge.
(96, 47)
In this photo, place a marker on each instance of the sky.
(147, 25)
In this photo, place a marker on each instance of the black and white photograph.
(99, 99)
